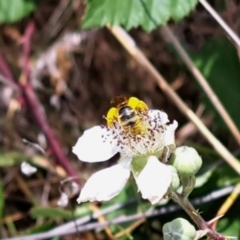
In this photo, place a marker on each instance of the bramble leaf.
(148, 14)
(14, 10)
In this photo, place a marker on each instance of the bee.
(128, 113)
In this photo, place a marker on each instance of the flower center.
(151, 141)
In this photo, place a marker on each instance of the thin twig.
(203, 83)
(195, 216)
(221, 22)
(26, 53)
(129, 44)
(69, 228)
(9, 83)
(5, 69)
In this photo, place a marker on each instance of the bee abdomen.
(127, 116)
(126, 113)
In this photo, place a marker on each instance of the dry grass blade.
(203, 83)
(129, 44)
(228, 203)
(102, 219)
(70, 227)
(130, 228)
(221, 22)
(24, 187)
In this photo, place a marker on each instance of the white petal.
(27, 169)
(170, 133)
(157, 114)
(63, 201)
(105, 184)
(96, 145)
(154, 180)
(74, 188)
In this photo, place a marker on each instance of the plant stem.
(195, 216)
(35, 107)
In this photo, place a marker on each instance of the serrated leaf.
(180, 8)
(14, 10)
(148, 14)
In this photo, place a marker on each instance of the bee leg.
(112, 115)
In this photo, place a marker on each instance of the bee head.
(119, 100)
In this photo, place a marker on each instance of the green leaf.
(148, 14)
(83, 210)
(12, 158)
(219, 63)
(1, 200)
(52, 213)
(181, 8)
(46, 225)
(14, 10)
(138, 163)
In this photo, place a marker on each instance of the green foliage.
(46, 225)
(57, 213)
(52, 213)
(1, 200)
(129, 192)
(133, 13)
(138, 163)
(179, 229)
(11, 158)
(83, 209)
(219, 63)
(14, 10)
(229, 224)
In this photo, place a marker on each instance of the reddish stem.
(39, 115)
(27, 49)
(5, 69)
(33, 103)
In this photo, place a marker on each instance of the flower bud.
(179, 229)
(175, 179)
(186, 160)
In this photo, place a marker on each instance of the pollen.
(152, 142)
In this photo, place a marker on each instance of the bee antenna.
(112, 101)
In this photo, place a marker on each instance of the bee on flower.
(128, 113)
(143, 137)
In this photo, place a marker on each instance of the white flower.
(100, 143)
